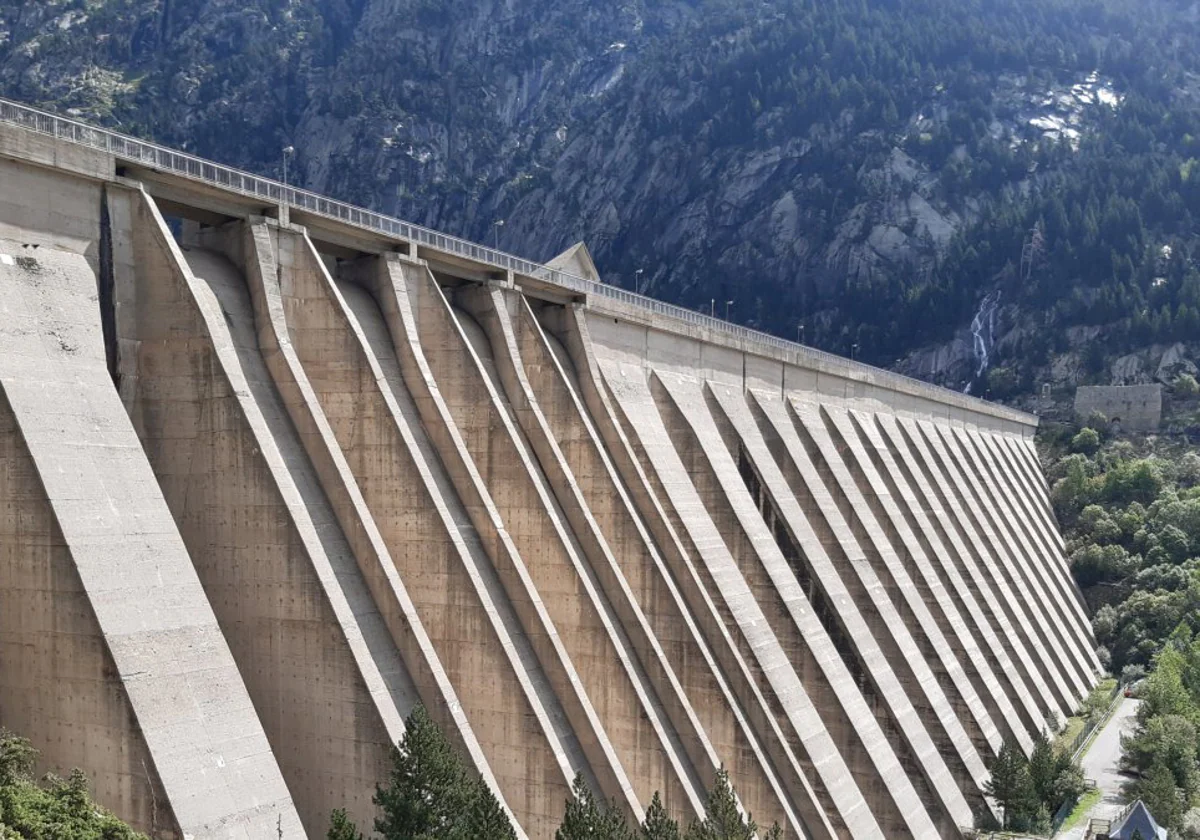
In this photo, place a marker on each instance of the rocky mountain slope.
(861, 175)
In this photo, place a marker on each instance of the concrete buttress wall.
(724, 734)
(738, 640)
(110, 656)
(346, 357)
(316, 656)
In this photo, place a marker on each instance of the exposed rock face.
(667, 138)
(1129, 370)
(1173, 363)
(949, 362)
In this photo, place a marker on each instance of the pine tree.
(341, 828)
(658, 825)
(723, 820)
(428, 790)
(1159, 793)
(613, 825)
(585, 819)
(486, 819)
(1010, 784)
(1043, 768)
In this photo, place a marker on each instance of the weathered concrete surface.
(967, 677)
(990, 589)
(1016, 560)
(952, 712)
(1038, 569)
(593, 645)
(1006, 696)
(1137, 407)
(706, 703)
(110, 655)
(734, 650)
(836, 796)
(869, 626)
(282, 580)
(593, 540)
(346, 357)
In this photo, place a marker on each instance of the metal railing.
(1089, 729)
(132, 150)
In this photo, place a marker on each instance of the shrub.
(57, 808)
(1086, 442)
(1187, 470)
(1094, 564)
(1132, 481)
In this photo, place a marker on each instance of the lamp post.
(854, 351)
(799, 333)
(728, 304)
(288, 151)
(637, 280)
(496, 225)
(712, 307)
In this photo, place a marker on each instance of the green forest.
(1105, 210)
(718, 122)
(1129, 508)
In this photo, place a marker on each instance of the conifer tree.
(341, 828)
(723, 820)
(428, 791)
(585, 819)
(486, 819)
(1158, 792)
(1010, 784)
(1043, 768)
(658, 825)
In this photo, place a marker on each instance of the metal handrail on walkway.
(136, 151)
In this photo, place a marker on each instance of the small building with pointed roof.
(1136, 821)
(576, 260)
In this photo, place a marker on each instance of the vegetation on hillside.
(733, 150)
(52, 808)
(430, 795)
(1129, 506)
(1130, 514)
(1162, 752)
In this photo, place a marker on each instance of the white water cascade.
(983, 333)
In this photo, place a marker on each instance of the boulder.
(1174, 362)
(1129, 370)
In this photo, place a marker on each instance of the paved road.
(1100, 764)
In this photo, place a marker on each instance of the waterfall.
(983, 333)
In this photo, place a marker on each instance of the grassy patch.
(1082, 808)
(1069, 733)
(1096, 704)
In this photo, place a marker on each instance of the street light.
(712, 307)
(288, 151)
(728, 304)
(637, 280)
(496, 225)
(854, 351)
(799, 333)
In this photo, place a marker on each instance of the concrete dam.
(275, 469)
